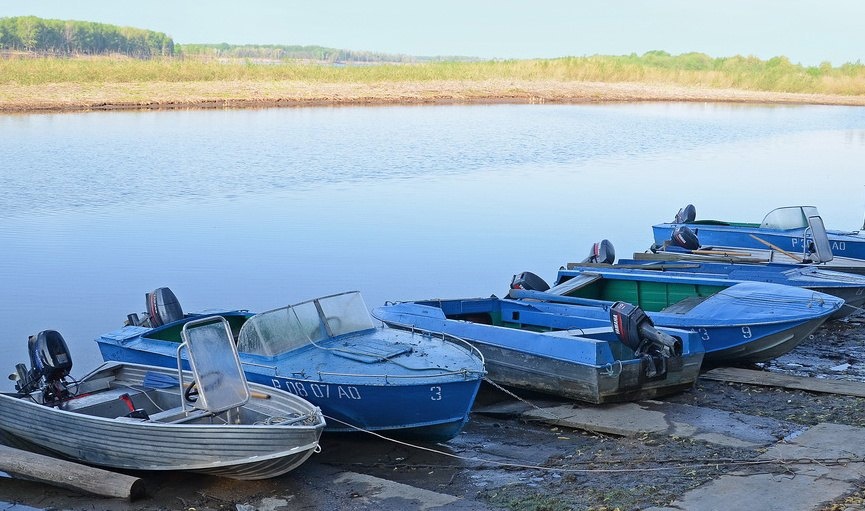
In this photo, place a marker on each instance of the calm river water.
(259, 208)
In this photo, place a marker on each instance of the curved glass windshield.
(793, 217)
(289, 328)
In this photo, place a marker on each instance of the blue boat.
(751, 256)
(329, 352)
(848, 287)
(540, 347)
(742, 322)
(795, 230)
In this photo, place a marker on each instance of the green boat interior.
(172, 333)
(650, 296)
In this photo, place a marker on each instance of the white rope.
(859, 309)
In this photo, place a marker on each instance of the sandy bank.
(246, 94)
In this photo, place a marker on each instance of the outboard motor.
(656, 349)
(684, 237)
(162, 307)
(686, 215)
(529, 281)
(602, 252)
(50, 363)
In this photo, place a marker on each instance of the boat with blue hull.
(750, 256)
(789, 229)
(848, 287)
(540, 347)
(329, 351)
(743, 322)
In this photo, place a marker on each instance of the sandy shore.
(246, 94)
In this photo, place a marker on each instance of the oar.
(715, 251)
(550, 297)
(779, 249)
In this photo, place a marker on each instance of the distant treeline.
(282, 52)
(68, 37)
(59, 37)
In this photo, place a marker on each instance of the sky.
(807, 32)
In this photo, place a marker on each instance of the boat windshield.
(214, 363)
(791, 217)
(289, 328)
(822, 247)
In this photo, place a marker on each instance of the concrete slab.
(808, 482)
(381, 494)
(707, 424)
(513, 408)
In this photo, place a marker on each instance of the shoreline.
(78, 97)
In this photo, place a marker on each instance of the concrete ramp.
(706, 424)
(382, 494)
(807, 481)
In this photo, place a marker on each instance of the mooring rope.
(549, 414)
(858, 309)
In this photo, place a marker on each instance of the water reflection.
(256, 209)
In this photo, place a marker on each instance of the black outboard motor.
(529, 281)
(602, 252)
(684, 237)
(162, 307)
(657, 350)
(686, 215)
(49, 355)
(49, 361)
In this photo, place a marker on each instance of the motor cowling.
(50, 364)
(49, 355)
(162, 307)
(529, 281)
(685, 238)
(636, 331)
(686, 215)
(602, 252)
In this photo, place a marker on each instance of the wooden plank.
(752, 377)
(66, 474)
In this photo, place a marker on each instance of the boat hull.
(597, 385)
(850, 288)
(566, 363)
(740, 255)
(237, 451)
(737, 320)
(427, 407)
(846, 245)
(765, 345)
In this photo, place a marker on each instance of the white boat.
(137, 417)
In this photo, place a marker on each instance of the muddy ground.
(503, 462)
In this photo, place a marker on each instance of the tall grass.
(692, 69)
